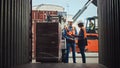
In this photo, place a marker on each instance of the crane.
(82, 10)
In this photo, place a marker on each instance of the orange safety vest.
(70, 33)
(85, 36)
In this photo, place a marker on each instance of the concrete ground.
(91, 57)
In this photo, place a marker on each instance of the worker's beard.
(70, 25)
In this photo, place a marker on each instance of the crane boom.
(81, 10)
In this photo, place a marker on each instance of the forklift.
(92, 33)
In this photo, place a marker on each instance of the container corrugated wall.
(15, 32)
(109, 37)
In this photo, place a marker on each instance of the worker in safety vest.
(82, 41)
(69, 33)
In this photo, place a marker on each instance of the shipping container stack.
(41, 16)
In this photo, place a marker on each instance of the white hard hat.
(80, 21)
(69, 19)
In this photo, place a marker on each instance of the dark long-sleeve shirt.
(81, 35)
(82, 40)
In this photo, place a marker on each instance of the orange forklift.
(92, 34)
(91, 29)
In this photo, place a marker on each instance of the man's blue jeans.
(72, 45)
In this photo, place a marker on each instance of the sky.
(71, 6)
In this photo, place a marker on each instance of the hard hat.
(70, 20)
(80, 21)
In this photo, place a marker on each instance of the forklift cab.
(92, 34)
(92, 25)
